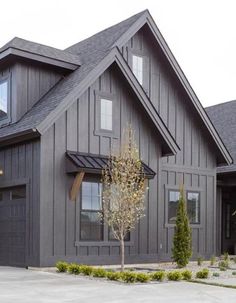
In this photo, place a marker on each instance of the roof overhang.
(94, 164)
(14, 53)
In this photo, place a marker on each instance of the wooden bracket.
(76, 185)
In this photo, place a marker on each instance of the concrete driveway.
(21, 285)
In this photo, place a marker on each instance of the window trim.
(98, 131)
(90, 211)
(132, 67)
(195, 192)
(105, 241)
(7, 119)
(186, 189)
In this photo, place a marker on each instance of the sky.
(200, 33)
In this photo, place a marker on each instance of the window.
(106, 114)
(18, 193)
(137, 67)
(172, 205)
(91, 226)
(193, 207)
(3, 99)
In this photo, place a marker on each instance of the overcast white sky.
(200, 33)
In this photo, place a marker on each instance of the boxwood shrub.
(158, 276)
(99, 272)
(128, 276)
(202, 274)
(114, 276)
(174, 275)
(74, 268)
(61, 266)
(142, 277)
(86, 270)
(187, 275)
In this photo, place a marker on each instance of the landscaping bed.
(221, 268)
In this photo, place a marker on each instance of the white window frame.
(137, 67)
(106, 114)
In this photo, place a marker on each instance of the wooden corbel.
(76, 185)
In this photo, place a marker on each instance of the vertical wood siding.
(195, 164)
(76, 130)
(20, 164)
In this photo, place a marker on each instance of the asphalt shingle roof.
(42, 50)
(223, 117)
(91, 51)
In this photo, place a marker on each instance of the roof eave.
(25, 135)
(14, 52)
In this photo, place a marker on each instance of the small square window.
(18, 193)
(137, 68)
(106, 114)
(3, 99)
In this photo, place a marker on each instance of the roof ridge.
(76, 45)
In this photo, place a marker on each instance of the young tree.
(123, 190)
(182, 242)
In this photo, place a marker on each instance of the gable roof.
(91, 52)
(223, 116)
(23, 48)
(120, 33)
(46, 111)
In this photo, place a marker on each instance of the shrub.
(222, 268)
(202, 274)
(224, 264)
(216, 274)
(128, 277)
(99, 273)
(142, 277)
(182, 241)
(234, 273)
(86, 270)
(187, 275)
(61, 266)
(113, 276)
(74, 268)
(226, 256)
(158, 276)
(212, 260)
(234, 259)
(200, 260)
(174, 275)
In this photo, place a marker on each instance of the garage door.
(13, 226)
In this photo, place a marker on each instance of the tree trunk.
(122, 254)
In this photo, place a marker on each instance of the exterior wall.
(20, 164)
(195, 164)
(76, 130)
(30, 82)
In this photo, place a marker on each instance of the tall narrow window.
(227, 220)
(91, 227)
(193, 207)
(173, 205)
(3, 99)
(106, 114)
(137, 67)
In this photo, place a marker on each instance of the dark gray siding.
(20, 164)
(29, 83)
(195, 164)
(76, 130)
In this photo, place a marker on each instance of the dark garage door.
(12, 226)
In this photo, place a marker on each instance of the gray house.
(224, 118)
(62, 110)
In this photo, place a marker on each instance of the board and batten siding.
(20, 165)
(76, 130)
(195, 164)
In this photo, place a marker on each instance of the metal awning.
(91, 163)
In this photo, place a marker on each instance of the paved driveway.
(21, 285)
